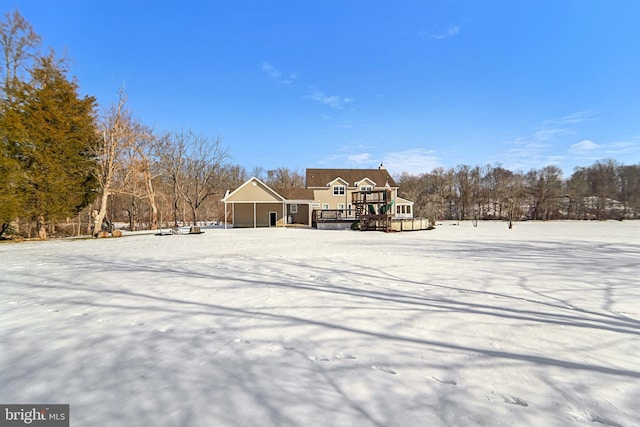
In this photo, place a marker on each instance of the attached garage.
(255, 204)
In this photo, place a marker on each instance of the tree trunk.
(175, 212)
(154, 215)
(194, 215)
(98, 218)
(152, 202)
(42, 229)
(133, 215)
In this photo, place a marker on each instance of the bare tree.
(194, 164)
(284, 177)
(516, 193)
(629, 178)
(172, 158)
(545, 187)
(19, 43)
(603, 181)
(234, 175)
(259, 172)
(498, 180)
(110, 153)
(140, 168)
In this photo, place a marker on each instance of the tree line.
(66, 169)
(604, 190)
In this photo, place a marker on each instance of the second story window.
(366, 188)
(339, 190)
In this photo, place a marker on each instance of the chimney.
(381, 166)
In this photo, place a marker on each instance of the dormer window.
(339, 190)
(366, 188)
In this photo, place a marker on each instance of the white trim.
(276, 224)
(372, 182)
(332, 182)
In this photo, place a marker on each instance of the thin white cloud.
(554, 143)
(333, 101)
(270, 70)
(538, 148)
(359, 158)
(414, 161)
(573, 118)
(551, 129)
(629, 147)
(549, 133)
(584, 146)
(451, 32)
(548, 144)
(276, 75)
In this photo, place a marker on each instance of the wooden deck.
(371, 210)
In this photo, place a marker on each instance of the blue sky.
(352, 83)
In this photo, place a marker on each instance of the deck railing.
(329, 215)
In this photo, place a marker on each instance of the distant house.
(328, 194)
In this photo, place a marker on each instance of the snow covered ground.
(458, 326)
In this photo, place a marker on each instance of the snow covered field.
(458, 326)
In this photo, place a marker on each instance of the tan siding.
(251, 193)
(262, 213)
(243, 215)
(302, 217)
(326, 196)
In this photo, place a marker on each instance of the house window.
(325, 206)
(408, 209)
(366, 188)
(341, 206)
(293, 209)
(339, 190)
(398, 209)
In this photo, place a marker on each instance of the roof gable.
(365, 181)
(337, 181)
(253, 190)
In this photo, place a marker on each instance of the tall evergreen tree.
(52, 130)
(11, 180)
(18, 43)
